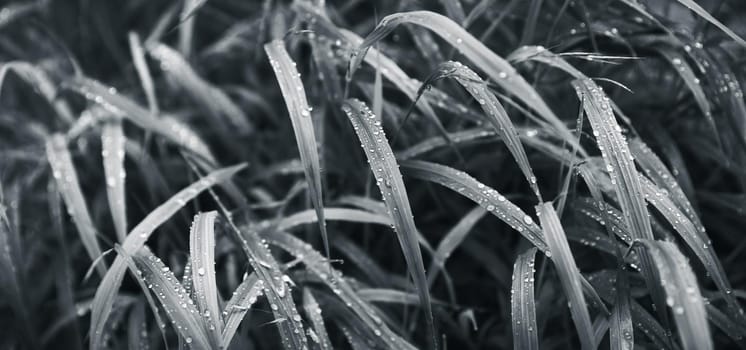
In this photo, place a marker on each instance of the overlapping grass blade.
(496, 114)
(41, 82)
(141, 67)
(388, 178)
(112, 152)
(11, 270)
(108, 288)
(486, 197)
(336, 214)
(567, 271)
(692, 5)
(317, 265)
(137, 328)
(118, 104)
(174, 300)
(245, 295)
(202, 257)
(287, 319)
(68, 185)
(300, 116)
(498, 69)
(452, 240)
(210, 97)
(313, 312)
(400, 79)
(682, 292)
(523, 308)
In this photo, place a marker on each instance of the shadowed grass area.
(620, 123)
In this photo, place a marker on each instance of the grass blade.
(452, 240)
(214, 100)
(300, 115)
(245, 295)
(683, 295)
(320, 267)
(68, 185)
(112, 151)
(497, 116)
(498, 69)
(108, 288)
(202, 255)
(172, 297)
(313, 312)
(141, 67)
(170, 128)
(486, 197)
(523, 310)
(288, 321)
(692, 5)
(568, 272)
(388, 178)
(41, 82)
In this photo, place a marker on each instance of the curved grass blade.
(172, 296)
(336, 214)
(486, 197)
(117, 104)
(398, 77)
(41, 82)
(498, 69)
(300, 115)
(112, 152)
(202, 257)
(523, 308)
(692, 5)
(287, 319)
(604, 282)
(616, 155)
(209, 96)
(141, 67)
(245, 295)
(452, 240)
(313, 311)
(319, 266)
(683, 295)
(68, 185)
(108, 288)
(568, 272)
(388, 178)
(496, 114)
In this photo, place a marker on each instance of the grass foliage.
(620, 123)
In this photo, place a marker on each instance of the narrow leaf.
(523, 308)
(112, 151)
(388, 178)
(202, 257)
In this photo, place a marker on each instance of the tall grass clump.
(306, 174)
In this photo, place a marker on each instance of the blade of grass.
(692, 5)
(210, 97)
(141, 67)
(498, 69)
(68, 185)
(245, 295)
(523, 308)
(202, 257)
(683, 295)
(452, 240)
(108, 288)
(313, 312)
(497, 116)
(172, 297)
(317, 265)
(41, 82)
(118, 104)
(568, 272)
(300, 115)
(388, 178)
(112, 152)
